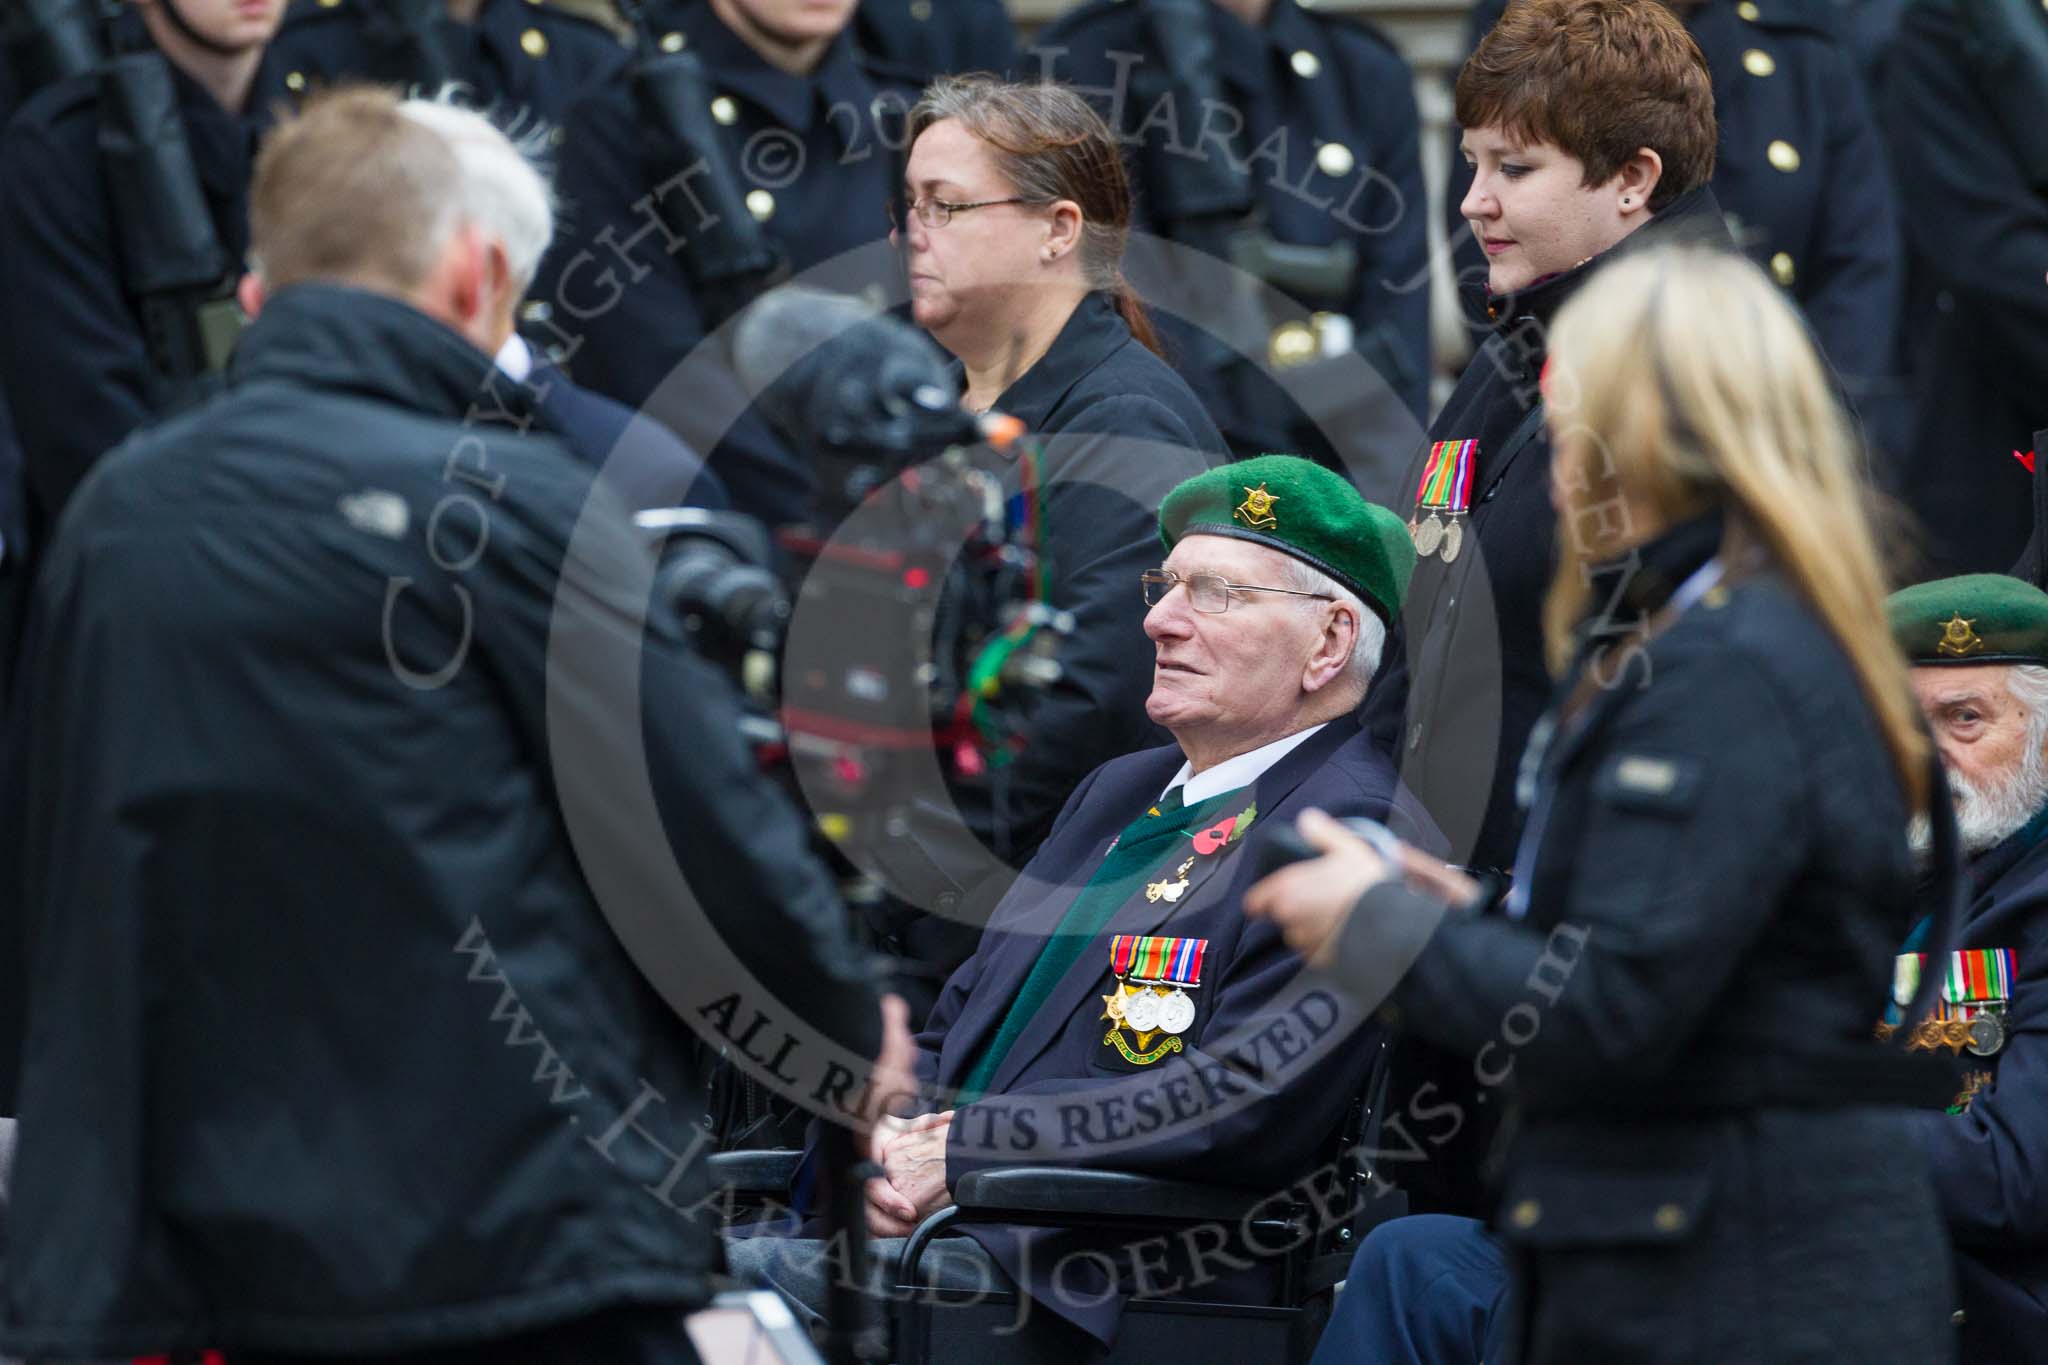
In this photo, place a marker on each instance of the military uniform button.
(1959, 1317)
(761, 204)
(725, 111)
(920, 10)
(329, 4)
(1527, 1214)
(1783, 155)
(1292, 343)
(1782, 269)
(673, 42)
(295, 81)
(1334, 158)
(534, 43)
(1306, 64)
(1748, 11)
(1670, 1218)
(536, 310)
(1758, 62)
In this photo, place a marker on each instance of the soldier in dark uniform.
(79, 369)
(525, 60)
(813, 134)
(938, 37)
(1317, 114)
(1801, 173)
(1962, 110)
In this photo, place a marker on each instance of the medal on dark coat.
(1443, 499)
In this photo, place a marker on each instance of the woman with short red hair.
(1590, 128)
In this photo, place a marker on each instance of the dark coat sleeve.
(1969, 213)
(76, 369)
(559, 629)
(1857, 275)
(1393, 291)
(1990, 1162)
(1714, 856)
(628, 301)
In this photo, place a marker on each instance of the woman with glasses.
(1013, 233)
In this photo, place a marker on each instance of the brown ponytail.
(1050, 144)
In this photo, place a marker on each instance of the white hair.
(503, 191)
(1372, 632)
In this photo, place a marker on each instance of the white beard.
(1988, 816)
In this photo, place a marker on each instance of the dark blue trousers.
(1424, 1290)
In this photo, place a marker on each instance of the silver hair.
(2028, 684)
(1372, 632)
(503, 190)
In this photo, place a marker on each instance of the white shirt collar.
(1233, 773)
(515, 358)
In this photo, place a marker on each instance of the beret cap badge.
(1959, 637)
(1256, 511)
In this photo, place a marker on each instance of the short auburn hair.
(1599, 79)
(352, 190)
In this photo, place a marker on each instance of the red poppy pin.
(1226, 831)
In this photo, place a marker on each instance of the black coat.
(1465, 676)
(525, 62)
(77, 370)
(1716, 878)
(818, 158)
(333, 1043)
(1990, 1163)
(1331, 143)
(931, 38)
(1823, 220)
(1124, 429)
(1957, 110)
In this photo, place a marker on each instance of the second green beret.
(1301, 509)
(1979, 618)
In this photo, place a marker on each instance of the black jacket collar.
(1692, 217)
(331, 336)
(1093, 333)
(795, 102)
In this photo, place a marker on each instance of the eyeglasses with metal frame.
(1208, 592)
(936, 213)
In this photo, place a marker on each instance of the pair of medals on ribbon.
(1153, 977)
(1976, 990)
(1443, 499)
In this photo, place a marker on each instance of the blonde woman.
(1679, 993)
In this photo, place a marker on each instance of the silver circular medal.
(1428, 535)
(1141, 1011)
(1987, 1034)
(1177, 1012)
(1454, 540)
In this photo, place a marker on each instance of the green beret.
(1301, 509)
(1979, 618)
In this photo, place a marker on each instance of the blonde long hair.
(1681, 380)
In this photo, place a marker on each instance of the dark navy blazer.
(1273, 1061)
(1990, 1164)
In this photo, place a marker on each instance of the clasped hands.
(912, 1186)
(1310, 901)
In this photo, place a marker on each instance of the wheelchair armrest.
(1096, 1196)
(755, 1172)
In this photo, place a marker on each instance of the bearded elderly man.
(1120, 1011)
(1427, 1290)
